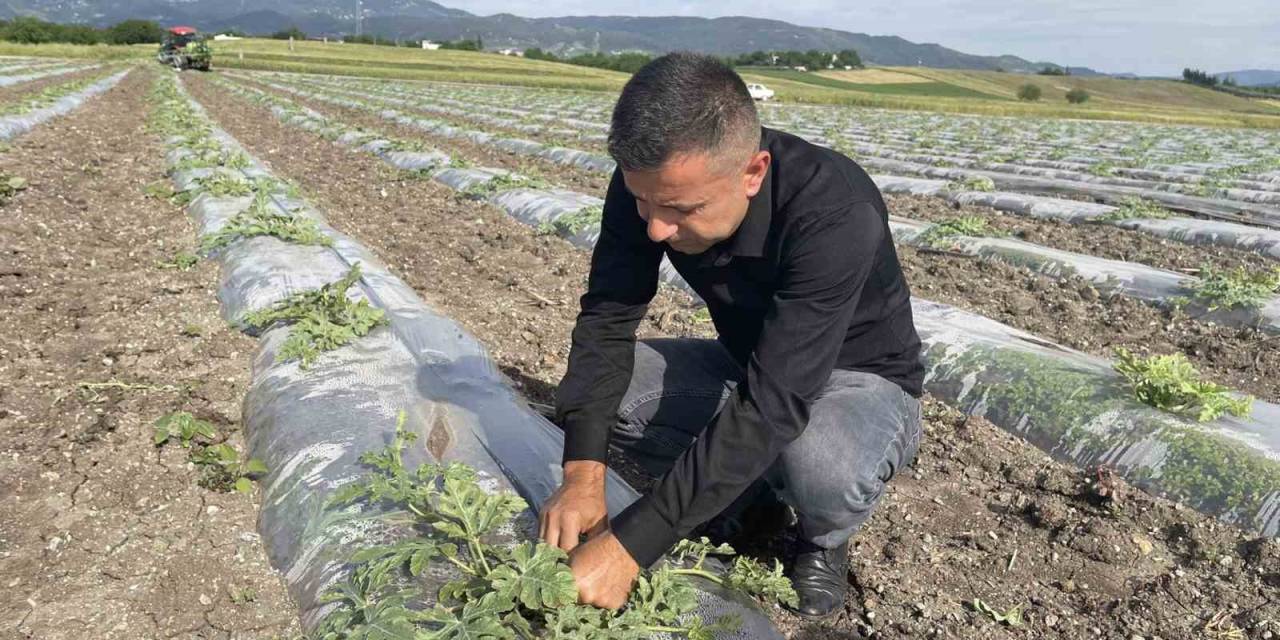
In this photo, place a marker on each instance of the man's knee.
(857, 440)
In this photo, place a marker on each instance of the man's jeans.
(862, 429)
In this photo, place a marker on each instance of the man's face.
(692, 202)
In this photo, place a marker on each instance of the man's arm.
(824, 266)
(623, 280)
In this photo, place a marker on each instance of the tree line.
(631, 62)
(29, 30)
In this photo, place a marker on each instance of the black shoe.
(821, 578)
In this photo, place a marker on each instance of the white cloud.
(1120, 35)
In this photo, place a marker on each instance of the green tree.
(1029, 92)
(292, 32)
(1196, 76)
(1077, 96)
(535, 53)
(28, 30)
(134, 32)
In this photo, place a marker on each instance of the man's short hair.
(683, 103)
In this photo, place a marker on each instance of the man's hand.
(577, 507)
(604, 571)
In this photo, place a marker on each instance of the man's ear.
(757, 169)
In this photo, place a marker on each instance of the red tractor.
(185, 48)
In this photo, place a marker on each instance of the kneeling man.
(813, 383)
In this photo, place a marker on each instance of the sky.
(1151, 37)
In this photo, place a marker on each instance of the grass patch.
(323, 319)
(1171, 383)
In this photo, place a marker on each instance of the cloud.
(1120, 35)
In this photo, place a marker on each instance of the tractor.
(184, 48)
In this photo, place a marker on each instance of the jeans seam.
(625, 412)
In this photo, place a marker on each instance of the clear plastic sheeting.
(561, 155)
(1249, 212)
(1110, 277)
(1210, 232)
(10, 80)
(1186, 230)
(311, 427)
(1075, 407)
(16, 125)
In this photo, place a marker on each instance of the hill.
(423, 19)
(1252, 77)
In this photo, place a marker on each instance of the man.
(813, 382)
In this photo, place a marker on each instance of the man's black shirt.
(809, 282)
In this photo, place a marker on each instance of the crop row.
(1076, 406)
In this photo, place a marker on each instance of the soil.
(102, 534)
(980, 515)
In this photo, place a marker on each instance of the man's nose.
(660, 230)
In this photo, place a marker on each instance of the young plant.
(182, 261)
(10, 186)
(264, 218)
(573, 222)
(323, 319)
(972, 183)
(941, 234)
(1171, 383)
(1235, 289)
(224, 470)
(183, 426)
(526, 591)
(501, 182)
(1131, 208)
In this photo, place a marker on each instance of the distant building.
(519, 53)
(224, 36)
(432, 46)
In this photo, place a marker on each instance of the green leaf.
(480, 620)
(244, 485)
(750, 576)
(537, 576)
(255, 467)
(17, 184)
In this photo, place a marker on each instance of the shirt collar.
(749, 240)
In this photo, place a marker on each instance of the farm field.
(919, 88)
(155, 217)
